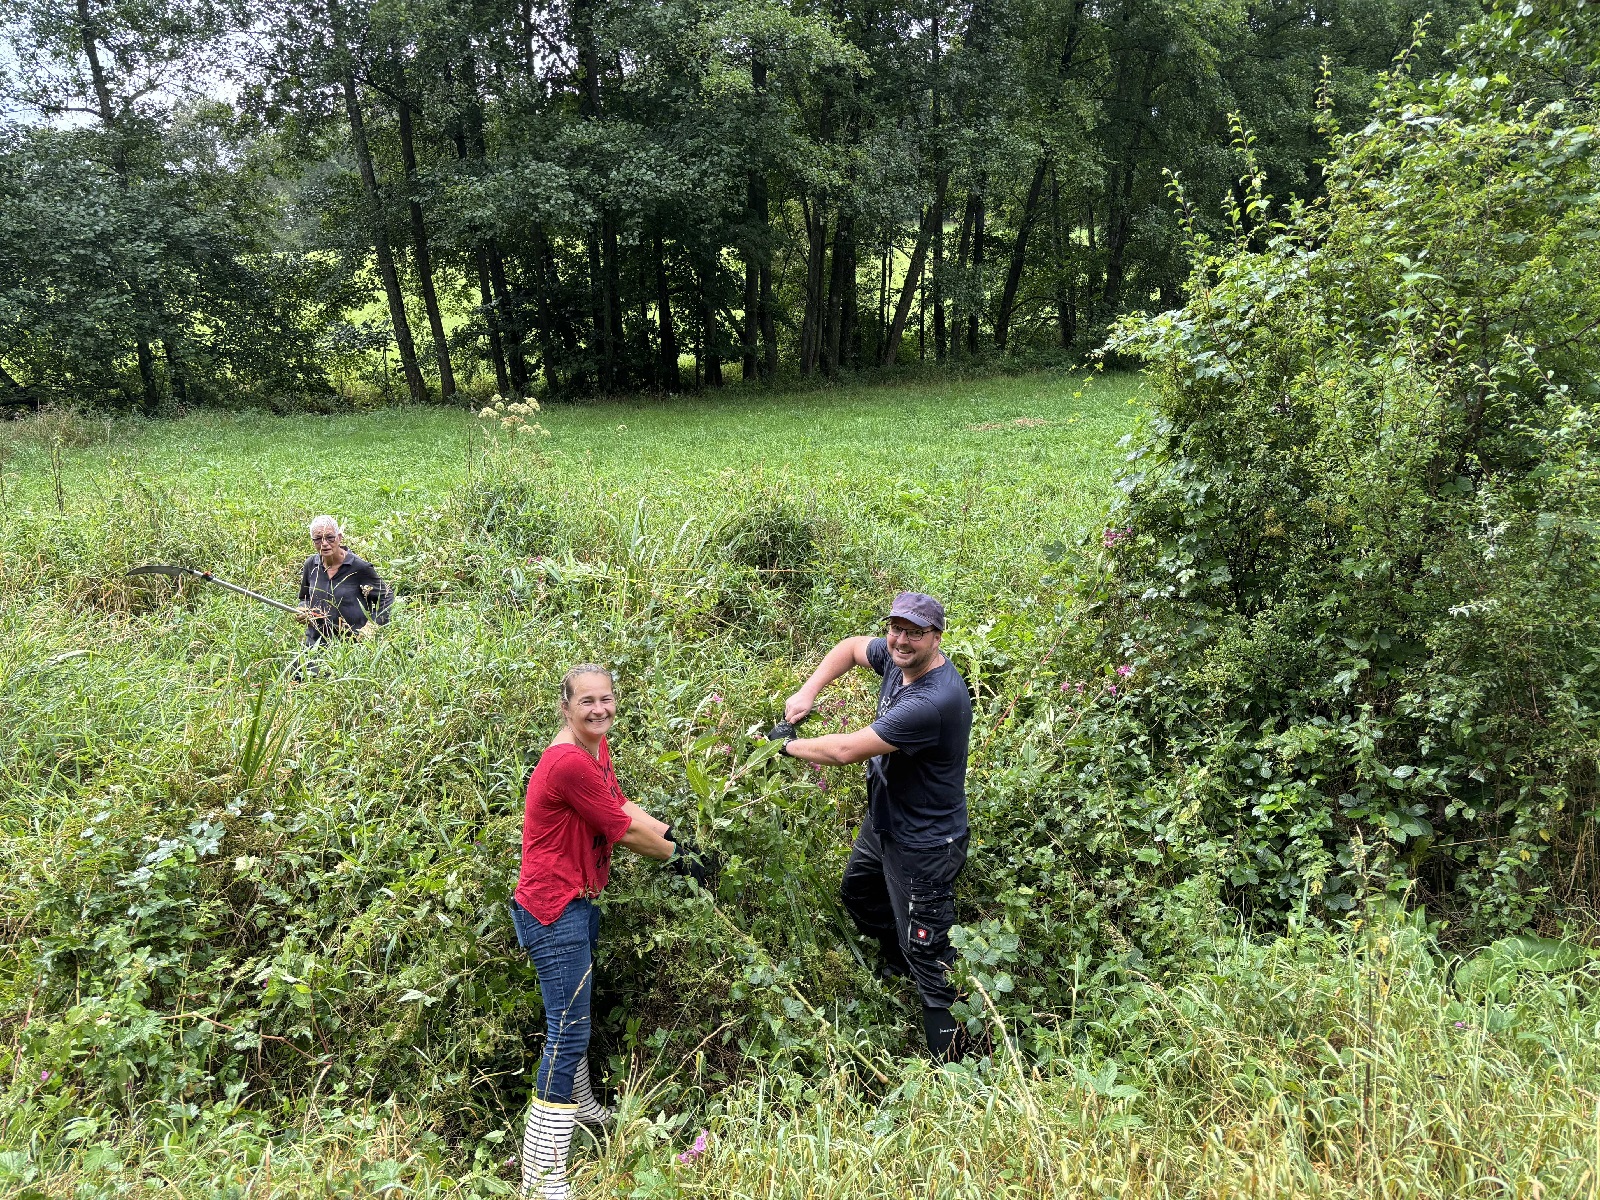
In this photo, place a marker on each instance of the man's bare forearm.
(852, 652)
(839, 749)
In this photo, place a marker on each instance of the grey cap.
(919, 609)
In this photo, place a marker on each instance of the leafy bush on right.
(1355, 564)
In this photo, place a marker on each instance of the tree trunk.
(748, 330)
(978, 213)
(88, 33)
(816, 256)
(1066, 277)
(466, 131)
(1118, 224)
(963, 253)
(766, 317)
(769, 326)
(549, 277)
(1019, 251)
(841, 279)
(880, 330)
(419, 240)
(510, 318)
(647, 358)
(709, 349)
(850, 322)
(491, 320)
(380, 242)
(175, 371)
(670, 378)
(940, 336)
(935, 282)
(599, 324)
(616, 336)
(909, 289)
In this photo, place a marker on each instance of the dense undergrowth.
(1259, 767)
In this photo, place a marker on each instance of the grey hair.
(325, 520)
(578, 672)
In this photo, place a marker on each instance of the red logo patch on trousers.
(919, 934)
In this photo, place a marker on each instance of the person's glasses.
(319, 538)
(911, 633)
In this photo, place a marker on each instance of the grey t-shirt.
(917, 796)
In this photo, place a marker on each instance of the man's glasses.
(319, 538)
(911, 633)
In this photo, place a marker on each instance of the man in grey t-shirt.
(899, 885)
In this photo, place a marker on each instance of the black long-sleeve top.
(355, 595)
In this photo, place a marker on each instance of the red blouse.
(573, 818)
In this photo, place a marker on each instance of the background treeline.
(253, 201)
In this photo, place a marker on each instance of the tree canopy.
(268, 200)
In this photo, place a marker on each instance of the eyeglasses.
(319, 538)
(911, 633)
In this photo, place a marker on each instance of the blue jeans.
(563, 954)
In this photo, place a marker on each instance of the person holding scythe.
(899, 885)
(341, 593)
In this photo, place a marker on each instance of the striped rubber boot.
(544, 1149)
(591, 1113)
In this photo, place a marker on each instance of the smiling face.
(591, 708)
(912, 648)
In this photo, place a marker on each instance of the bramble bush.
(1354, 566)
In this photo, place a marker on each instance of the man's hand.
(370, 629)
(798, 707)
(783, 731)
(306, 615)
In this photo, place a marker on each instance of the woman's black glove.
(783, 731)
(690, 861)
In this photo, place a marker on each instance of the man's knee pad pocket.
(930, 911)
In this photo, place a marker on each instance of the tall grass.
(1313, 1066)
(254, 933)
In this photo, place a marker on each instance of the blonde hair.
(578, 672)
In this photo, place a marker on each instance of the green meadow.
(255, 938)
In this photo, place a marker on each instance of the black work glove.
(691, 862)
(783, 731)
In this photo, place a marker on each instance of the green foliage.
(1352, 573)
(592, 201)
(231, 900)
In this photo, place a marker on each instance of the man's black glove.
(690, 861)
(783, 731)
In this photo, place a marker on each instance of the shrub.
(1355, 569)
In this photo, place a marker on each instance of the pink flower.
(44, 1076)
(1077, 687)
(714, 698)
(694, 1151)
(1111, 689)
(1125, 670)
(1065, 685)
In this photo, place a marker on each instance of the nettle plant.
(1355, 559)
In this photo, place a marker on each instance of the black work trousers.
(906, 898)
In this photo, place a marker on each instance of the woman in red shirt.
(576, 813)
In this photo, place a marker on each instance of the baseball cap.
(918, 609)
